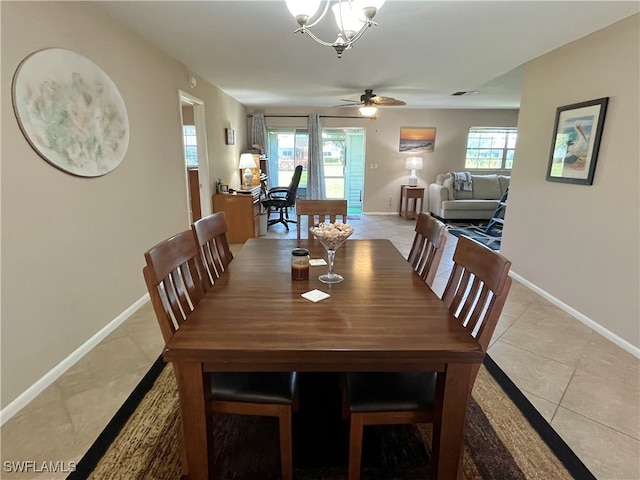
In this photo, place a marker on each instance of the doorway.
(343, 158)
(194, 141)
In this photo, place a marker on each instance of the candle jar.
(300, 264)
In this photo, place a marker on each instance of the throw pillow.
(486, 187)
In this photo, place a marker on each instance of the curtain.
(315, 168)
(258, 132)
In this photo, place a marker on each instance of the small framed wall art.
(229, 136)
(417, 139)
(576, 141)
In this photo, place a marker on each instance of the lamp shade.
(414, 163)
(246, 161)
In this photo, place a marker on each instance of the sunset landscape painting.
(417, 139)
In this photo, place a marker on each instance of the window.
(190, 145)
(490, 148)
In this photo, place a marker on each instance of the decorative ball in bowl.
(331, 236)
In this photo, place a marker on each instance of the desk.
(382, 317)
(242, 212)
(407, 194)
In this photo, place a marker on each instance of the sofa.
(475, 200)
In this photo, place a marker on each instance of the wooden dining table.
(382, 317)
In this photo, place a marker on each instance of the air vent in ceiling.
(464, 92)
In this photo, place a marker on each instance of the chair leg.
(355, 446)
(286, 455)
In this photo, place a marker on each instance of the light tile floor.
(584, 385)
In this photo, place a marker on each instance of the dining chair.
(428, 245)
(211, 236)
(173, 275)
(318, 211)
(475, 294)
(280, 199)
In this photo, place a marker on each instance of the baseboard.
(37, 388)
(632, 349)
(379, 213)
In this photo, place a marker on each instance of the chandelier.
(353, 17)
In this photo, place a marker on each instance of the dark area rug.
(505, 438)
(321, 444)
(477, 232)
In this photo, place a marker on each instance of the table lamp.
(413, 164)
(247, 163)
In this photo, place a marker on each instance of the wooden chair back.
(318, 211)
(477, 288)
(211, 236)
(427, 248)
(173, 275)
(475, 294)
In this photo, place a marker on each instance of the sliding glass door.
(343, 161)
(343, 153)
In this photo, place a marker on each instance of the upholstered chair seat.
(391, 391)
(269, 387)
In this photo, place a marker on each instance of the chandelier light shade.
(353, 18)
(247, 163)
(413, 164)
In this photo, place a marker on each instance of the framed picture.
(417, 139)
(71, 112)
(230, 137)
(576, 141)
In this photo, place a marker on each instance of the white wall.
(578, 243)
(72, 248)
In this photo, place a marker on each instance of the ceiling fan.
(369, 102)
(370, 98)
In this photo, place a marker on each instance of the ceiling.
(420, 52)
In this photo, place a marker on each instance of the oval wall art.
(70, 112)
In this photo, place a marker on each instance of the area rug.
(505, 438)
(477, 232)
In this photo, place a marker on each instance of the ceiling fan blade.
(388, 101)
(355, 102)
(347, 105)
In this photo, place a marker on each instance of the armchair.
(279, 199)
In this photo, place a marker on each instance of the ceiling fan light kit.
(353, 18)
(368, 110)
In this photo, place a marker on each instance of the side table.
(408, 205)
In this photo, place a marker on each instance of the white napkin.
(314, 262)
(315, 295)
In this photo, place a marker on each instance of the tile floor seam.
(573, 374)
(597, 422)
(538, 354)
(503, 333)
